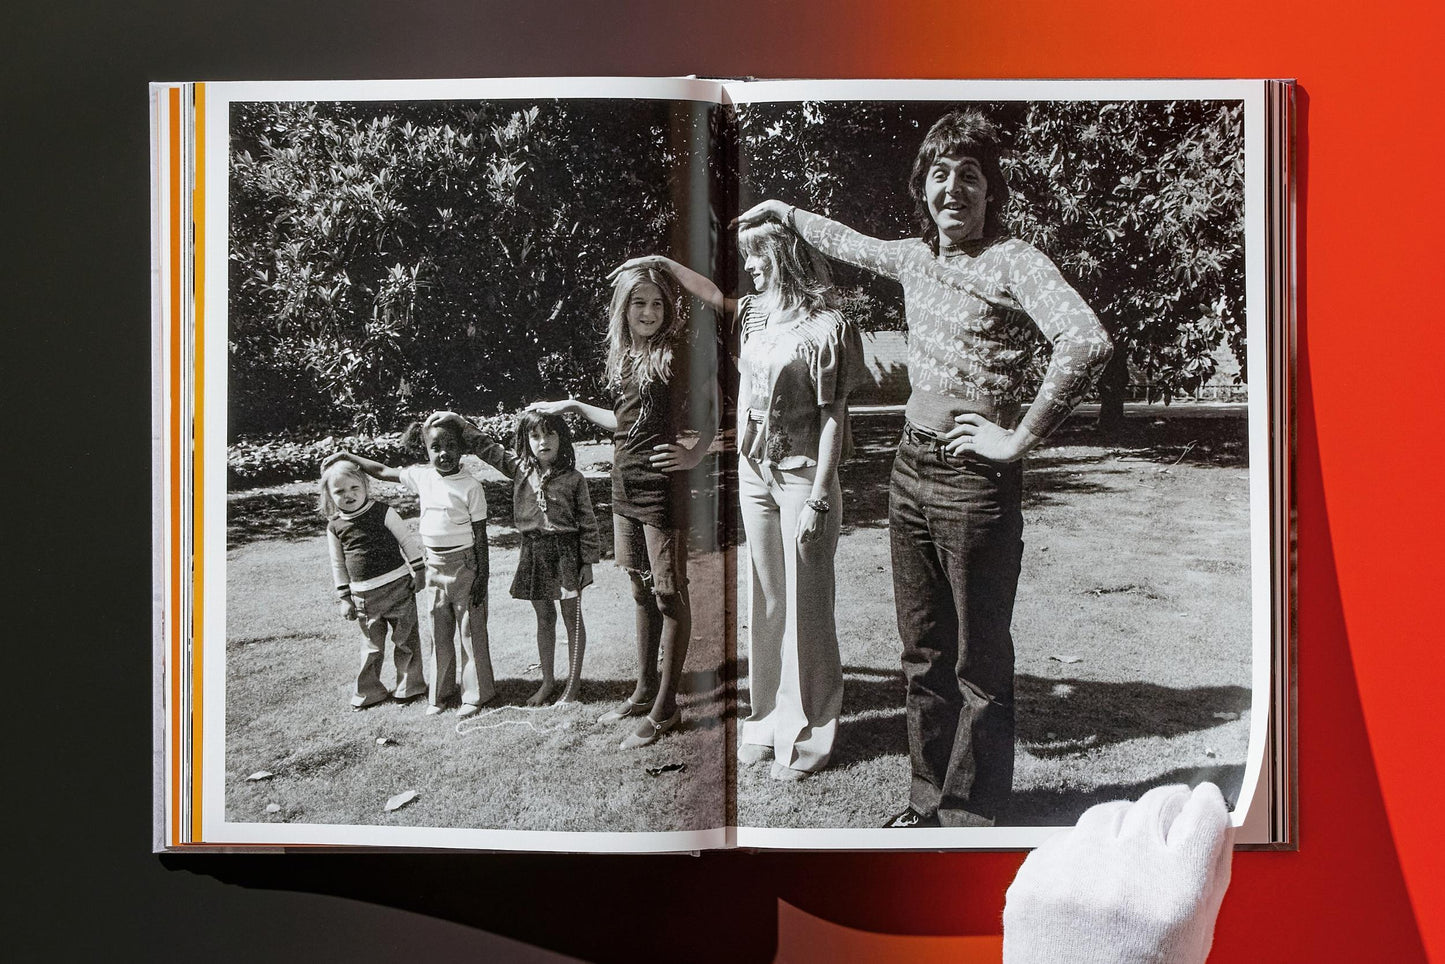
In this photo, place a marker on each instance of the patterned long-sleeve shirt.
(971, 312)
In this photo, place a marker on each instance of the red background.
(1368, 882)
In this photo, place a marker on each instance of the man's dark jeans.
(956, 532)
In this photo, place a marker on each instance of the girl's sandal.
(623, 710)
(648, 735)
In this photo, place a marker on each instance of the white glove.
(1130, 883)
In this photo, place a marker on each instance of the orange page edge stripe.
(172, 626)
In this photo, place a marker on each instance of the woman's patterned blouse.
(789, 372)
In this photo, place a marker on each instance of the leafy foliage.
(1140, 203)
(297, 453)
(387, 259)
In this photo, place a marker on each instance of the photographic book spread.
(667, 464)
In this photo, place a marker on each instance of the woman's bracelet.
(791, 219)
(820, 506)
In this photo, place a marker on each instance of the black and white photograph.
(473, 571)
(1037, 500)
(672, 465)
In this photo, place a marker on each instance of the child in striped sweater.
(376, 563)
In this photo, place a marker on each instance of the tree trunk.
(1113, 386)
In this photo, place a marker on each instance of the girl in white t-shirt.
(453, 532)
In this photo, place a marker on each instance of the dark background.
(74, 135)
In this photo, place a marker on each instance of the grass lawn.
(1131, 629)
(290, 661)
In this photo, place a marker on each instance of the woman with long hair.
(798, 363)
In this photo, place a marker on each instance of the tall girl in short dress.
(649, 368)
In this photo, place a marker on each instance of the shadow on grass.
(1055, 718)
(1061, 807)
(1178, 440)
(1058, 717)
(260, 515)
(700, 690)
(254, 517)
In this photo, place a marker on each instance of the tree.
(1140, 203)
(390, 258)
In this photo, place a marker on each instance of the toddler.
(377, 563)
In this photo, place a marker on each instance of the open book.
(1108, 287)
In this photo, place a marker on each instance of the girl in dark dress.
(648, 370)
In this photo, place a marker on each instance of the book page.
(522, 653)
(984, 647)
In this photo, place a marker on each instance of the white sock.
(1130, 883)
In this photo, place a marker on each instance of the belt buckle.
(918, 436)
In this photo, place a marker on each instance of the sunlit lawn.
(1131, 630)
(290, 662)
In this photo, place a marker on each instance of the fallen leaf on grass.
(261, 775)
(1067, 659)
(273, 808)
(1210, 752)
(400, 800)
(666, 768)
(385, 741)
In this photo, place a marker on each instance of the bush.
(394, 257)
(297, 455)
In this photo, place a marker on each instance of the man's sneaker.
(911, 818)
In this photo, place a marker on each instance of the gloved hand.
(1130, 883)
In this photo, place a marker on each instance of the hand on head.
(551, 408)
(1130, 883)
(646, 261)
(465, 428)
(762, 211)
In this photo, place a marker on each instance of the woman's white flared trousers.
(794, 668)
